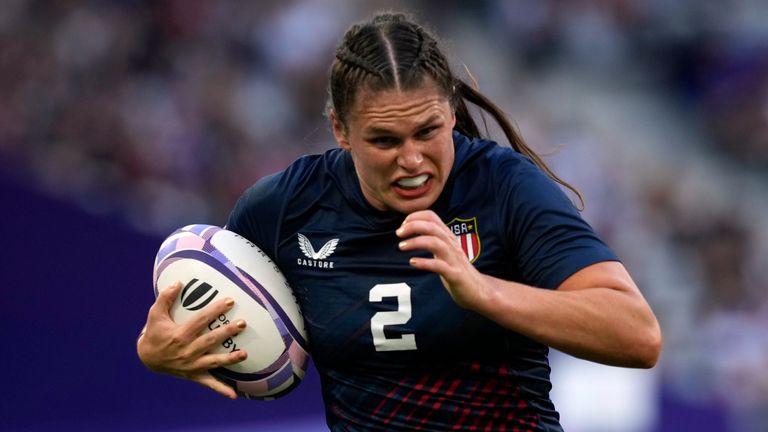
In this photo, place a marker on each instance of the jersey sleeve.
(257, 213)
(548, 238)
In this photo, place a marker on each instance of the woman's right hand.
(183, 350)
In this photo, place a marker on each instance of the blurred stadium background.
(122, 120)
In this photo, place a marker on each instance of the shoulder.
(543, 230)
(501, 165)
(306, 171)
(262, 206)
(486, 154)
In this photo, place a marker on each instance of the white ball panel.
(260, 339)
(263, 337)
(249, 257)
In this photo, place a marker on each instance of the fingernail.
(241, 324)
(400, 231)
(229, 302)
(402, 244)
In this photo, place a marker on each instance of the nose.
(410, 156)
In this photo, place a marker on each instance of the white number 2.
(400, 316)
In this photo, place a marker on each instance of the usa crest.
(467, 235)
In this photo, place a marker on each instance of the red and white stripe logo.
(467, 235)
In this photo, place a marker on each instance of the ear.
(339, 132)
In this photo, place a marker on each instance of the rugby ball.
(213, 263)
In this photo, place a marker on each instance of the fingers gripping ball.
(213, 263)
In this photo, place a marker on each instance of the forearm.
(597, 313)
(604, 325)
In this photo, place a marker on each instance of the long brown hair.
(392, 51)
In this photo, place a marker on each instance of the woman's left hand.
(423, 230)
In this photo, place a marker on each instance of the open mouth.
(411, 183)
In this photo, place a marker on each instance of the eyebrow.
(384, 131)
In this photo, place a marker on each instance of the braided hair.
(392, 51)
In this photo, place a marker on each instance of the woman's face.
(401, 144)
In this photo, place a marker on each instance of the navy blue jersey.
(393, 350)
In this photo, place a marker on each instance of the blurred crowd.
(162, 112)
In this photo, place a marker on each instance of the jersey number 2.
(396, 317)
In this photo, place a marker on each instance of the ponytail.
(392, 51)
(466, 125)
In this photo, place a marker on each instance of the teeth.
(413, 182)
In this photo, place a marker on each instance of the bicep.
(605, 274)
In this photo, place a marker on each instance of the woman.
(457, 262)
